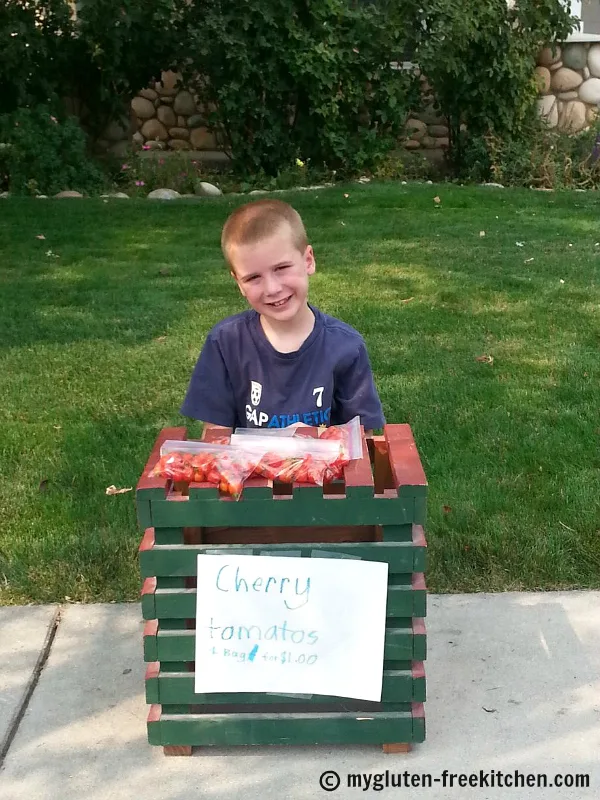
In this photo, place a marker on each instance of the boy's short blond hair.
(252, 222)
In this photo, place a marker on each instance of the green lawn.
(101, 323)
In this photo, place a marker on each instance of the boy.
(282, 361)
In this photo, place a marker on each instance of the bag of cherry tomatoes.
(287, 457)
(198, 462)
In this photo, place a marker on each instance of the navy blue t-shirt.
(241, 380)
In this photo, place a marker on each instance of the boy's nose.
(271, 284)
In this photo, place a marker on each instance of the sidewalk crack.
(13, 726)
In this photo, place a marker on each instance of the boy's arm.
(210, 395)
(355, 393)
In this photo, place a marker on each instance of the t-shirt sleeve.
(210, 396)
(355, 392)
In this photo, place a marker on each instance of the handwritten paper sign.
(290, 625)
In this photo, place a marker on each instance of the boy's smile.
(272, 275)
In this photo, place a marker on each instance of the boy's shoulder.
(336, 327)
(232, 326)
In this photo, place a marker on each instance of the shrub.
(34, 41)
(549, 160)
(45, 154)
(479, 59)
(313, 81)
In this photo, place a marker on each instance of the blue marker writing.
(252, 653)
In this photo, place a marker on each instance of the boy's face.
(273, 275)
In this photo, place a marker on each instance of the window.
(588, 12)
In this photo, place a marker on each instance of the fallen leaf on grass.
(446, 509)
(437, 200)
(346, 195)
(520, 244)
(113, 490)
(482, 233)
(40, 236)
(161, 339)
(528, 260)
(43, 485)
(485, 359)
(407, 300)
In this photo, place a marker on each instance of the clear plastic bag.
(199, 462)
(349, 436)
(277, 454)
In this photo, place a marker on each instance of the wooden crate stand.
(376, 513)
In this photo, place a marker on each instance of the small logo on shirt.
(255, 392)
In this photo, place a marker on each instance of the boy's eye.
(284, 266)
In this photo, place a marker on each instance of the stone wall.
(165, 116)
(569, 82)
(569, 86)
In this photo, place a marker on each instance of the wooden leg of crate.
(177, 750)
(397, 747)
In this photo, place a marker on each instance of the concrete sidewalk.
(513, 684)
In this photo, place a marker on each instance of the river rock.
(542, 75)
(184, 103)
(574, 55)
(154, 129)
(179, 144)
(547, 109)
(203, 139)
(565, 79)
(589, 91)
(143, 108)
(207, 189)
(149, 94)
(549, 56)
(572, 119)
(199, 121)
(593, 61)
(163, 194)
(179, 133)
(437, 131)
(166, 86)
(167, 116)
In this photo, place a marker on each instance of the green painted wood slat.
(402, 644)
(283, 510)
(181, 560)
(298, 729)
(408, 600)
(399, 686)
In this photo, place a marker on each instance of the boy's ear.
(309, 258)
(234, 276)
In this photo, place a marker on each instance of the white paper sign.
(290, 625)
